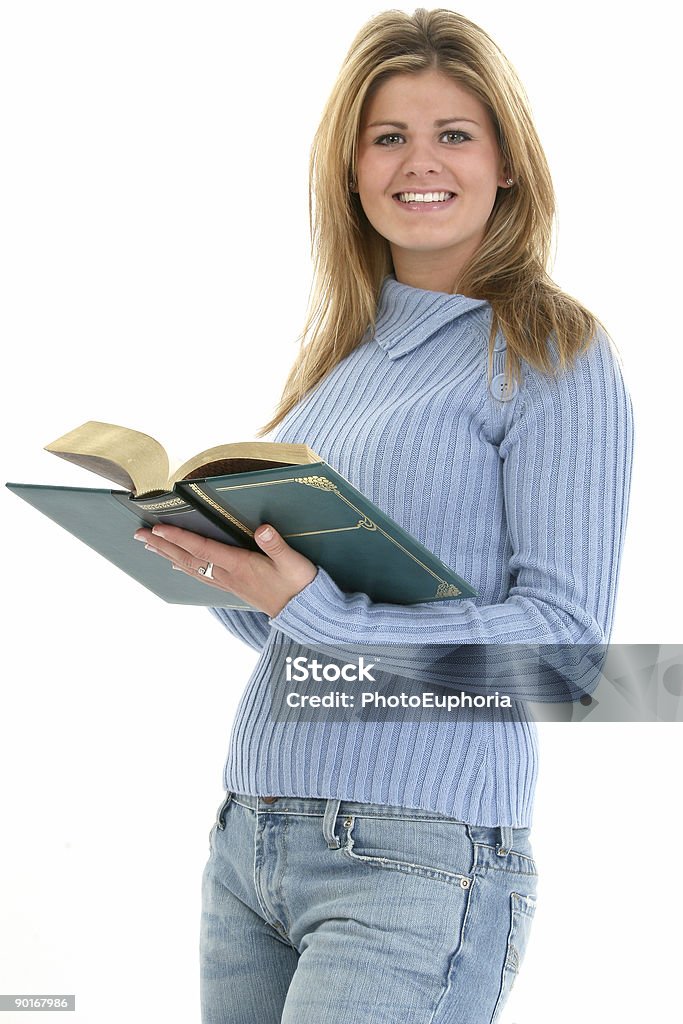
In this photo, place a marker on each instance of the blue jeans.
(317, 909)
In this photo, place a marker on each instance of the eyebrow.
(437, 124)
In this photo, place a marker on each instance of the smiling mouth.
(424, 197)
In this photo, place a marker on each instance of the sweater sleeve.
(565, 470)
(251, 627)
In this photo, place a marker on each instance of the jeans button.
(269, 799)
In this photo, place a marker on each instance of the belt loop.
(329, 821)
(506, 840)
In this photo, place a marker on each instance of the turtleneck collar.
(407, 316)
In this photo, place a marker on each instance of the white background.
(155, 272)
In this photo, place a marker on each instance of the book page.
(124, 456)
(242, 457)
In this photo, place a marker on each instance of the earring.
(509, 181)
(353, 184)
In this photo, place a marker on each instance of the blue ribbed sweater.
(524, 492)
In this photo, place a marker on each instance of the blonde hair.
(351, 259)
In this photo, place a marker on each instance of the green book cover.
(317, 511)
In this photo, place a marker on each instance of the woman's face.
(422, 135)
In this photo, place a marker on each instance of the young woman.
(382, 870)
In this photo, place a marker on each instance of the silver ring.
(206, 571)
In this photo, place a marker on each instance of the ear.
(502, 176)
(504, 173)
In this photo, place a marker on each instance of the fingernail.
(137, 536)
(158, 531)
(267, 534)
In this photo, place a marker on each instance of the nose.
(421, 159)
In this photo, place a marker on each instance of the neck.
(434, 272)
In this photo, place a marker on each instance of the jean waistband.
(329, 808)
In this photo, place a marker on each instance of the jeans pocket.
(220, 817)
(522, 909)
(433, 848)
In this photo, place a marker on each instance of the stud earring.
(509, 181)
(353, 184)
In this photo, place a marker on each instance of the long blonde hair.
(351, 259)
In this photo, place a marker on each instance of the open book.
(225, 493)
(139, 463)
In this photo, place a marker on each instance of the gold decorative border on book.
(443, 590)
(221, 511)
(159, 506)
(180, 512)
(318, 481)
(364, 524)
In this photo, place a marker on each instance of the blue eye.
(393, 138)
(383, 139)
(463, 135)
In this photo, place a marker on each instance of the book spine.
(220, 517)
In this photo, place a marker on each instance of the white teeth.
(427, 197)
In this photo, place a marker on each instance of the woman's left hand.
(266, 581)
